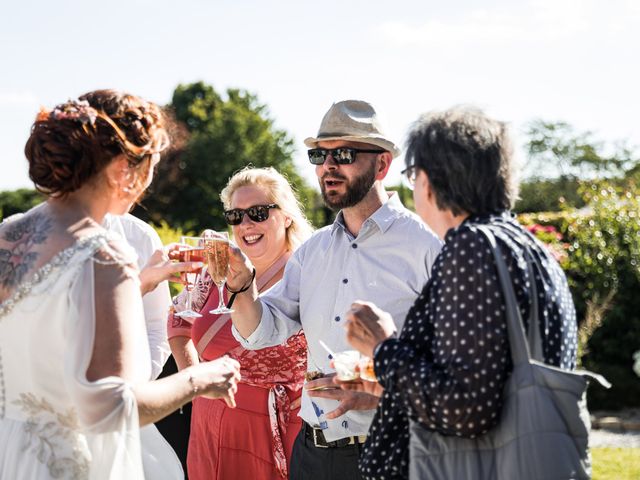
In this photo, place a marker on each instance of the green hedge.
(18, 201)
(599, 248)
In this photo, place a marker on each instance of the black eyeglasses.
(257, 213)
(409, 174)
(342, 155)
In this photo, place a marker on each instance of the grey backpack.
(543, 431)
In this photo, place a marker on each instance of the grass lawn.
(616, 463)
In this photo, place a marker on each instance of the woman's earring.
(124, 192)
(131, 177)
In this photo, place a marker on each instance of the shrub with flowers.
(552, 239)
(599, 248)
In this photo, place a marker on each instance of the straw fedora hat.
(355, 121)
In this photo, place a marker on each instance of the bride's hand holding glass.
(192, 250)
(162, 265)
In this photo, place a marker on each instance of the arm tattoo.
(24, 233)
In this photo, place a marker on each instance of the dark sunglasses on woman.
(257, 213)
(342, 155)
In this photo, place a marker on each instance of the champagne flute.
(217, 248)
(193, 251)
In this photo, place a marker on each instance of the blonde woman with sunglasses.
(255, 439)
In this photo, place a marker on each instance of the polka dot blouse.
(450, 363)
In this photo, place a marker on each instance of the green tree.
(559, 158)
(548, 195)
(217, 137)
(632, 176)
(556, 150)
(405, 194)
(18, 201)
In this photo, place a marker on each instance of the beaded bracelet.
(243, 289)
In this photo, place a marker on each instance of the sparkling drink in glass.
(217, 248)
(193, 251)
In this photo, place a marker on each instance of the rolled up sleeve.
(280, 311)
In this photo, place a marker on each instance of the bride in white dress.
(74, 357)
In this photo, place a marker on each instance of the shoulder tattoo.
(17, 260)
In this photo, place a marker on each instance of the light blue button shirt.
(388, 263)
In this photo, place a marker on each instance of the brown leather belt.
(317, 437)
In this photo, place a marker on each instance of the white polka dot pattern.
(448, 368)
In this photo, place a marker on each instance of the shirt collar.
(383, 217)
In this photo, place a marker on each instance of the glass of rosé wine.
(193, 251)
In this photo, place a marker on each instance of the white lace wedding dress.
(54, 423)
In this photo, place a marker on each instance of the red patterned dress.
(255, 439)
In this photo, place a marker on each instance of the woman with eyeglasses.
(255, 439)
(442, 378)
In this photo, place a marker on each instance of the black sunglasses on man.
(342, 155)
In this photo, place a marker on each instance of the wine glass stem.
(189, 290)
(221, 303)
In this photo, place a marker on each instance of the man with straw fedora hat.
(364, 255)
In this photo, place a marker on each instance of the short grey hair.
(468, 158)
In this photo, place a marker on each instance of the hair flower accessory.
(43, 114)
(78, 110)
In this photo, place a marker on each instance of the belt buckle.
(315, 438)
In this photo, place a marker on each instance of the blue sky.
(568, 60)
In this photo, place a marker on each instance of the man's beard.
(356, 190)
